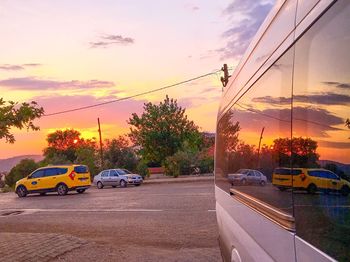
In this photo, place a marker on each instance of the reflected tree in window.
(298, 152)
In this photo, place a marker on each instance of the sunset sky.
(67, 54)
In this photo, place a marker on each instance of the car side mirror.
(29, 177)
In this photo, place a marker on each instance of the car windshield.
(126, 171)
(121, 172)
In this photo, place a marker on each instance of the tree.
(22, 169)
(228, 132)
(161, 130)
(119, 153)
(298, 152)
(67, 147)
(18, 116)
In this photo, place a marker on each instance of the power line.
(133, 96)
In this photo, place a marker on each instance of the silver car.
(247, 176)
(133, 179)
(111, 177)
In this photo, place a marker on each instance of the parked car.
(111, 177)
(60, 179)
(310, 179)
(247, 176)
(133, 179)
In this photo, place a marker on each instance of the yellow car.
(60, 179)
(310, 179)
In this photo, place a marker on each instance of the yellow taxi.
(310, 179)
(60, 179)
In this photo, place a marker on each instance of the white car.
(133, 179)
(247, 176)
(111, 177)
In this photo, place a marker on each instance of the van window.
(81, 169)
(287, 171)
(254, 135)
(37, 174)
(321, 100)
(55, 171)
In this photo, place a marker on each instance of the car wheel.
(62, 189)
(99, 185)
(114, 186)
(123, 183)
(137, 184)
(311, 189)
(262, 183)
(345, 190)
(43, 193)
(282, 188)
(80, 191)
(21, 191)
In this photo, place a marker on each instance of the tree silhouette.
(298, 152)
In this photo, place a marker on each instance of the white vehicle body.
(250, 228)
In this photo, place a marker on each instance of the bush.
(2, 184)
(206, 164)
(142, 169)
(6, 189)
(22, 169)
(181, 163)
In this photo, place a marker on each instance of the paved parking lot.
(155, 222)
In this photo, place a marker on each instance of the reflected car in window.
(247, 177)
(310, 179)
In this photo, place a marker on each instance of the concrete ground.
(153, 222)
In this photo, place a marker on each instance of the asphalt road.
(158, 222)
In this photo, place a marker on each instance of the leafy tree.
(118, 153)
(87, 155)
(161, 130)
(22, 169)
(67, 147)
(18, 116)
(64, 144)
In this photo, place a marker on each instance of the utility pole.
(261, 136)
(99, 132)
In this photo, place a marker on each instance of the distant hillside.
(7, 164)
(344, 167)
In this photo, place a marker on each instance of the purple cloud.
(253, 13)
(109, 40)
(320, 98)
(33, 83)
(8, 67)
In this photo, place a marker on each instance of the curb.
(178, 180)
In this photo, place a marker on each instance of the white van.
(287, 105)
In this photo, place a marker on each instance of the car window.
(105, 173)
(37, 174)
(113, 173)
(257, 174)
(127, 171)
